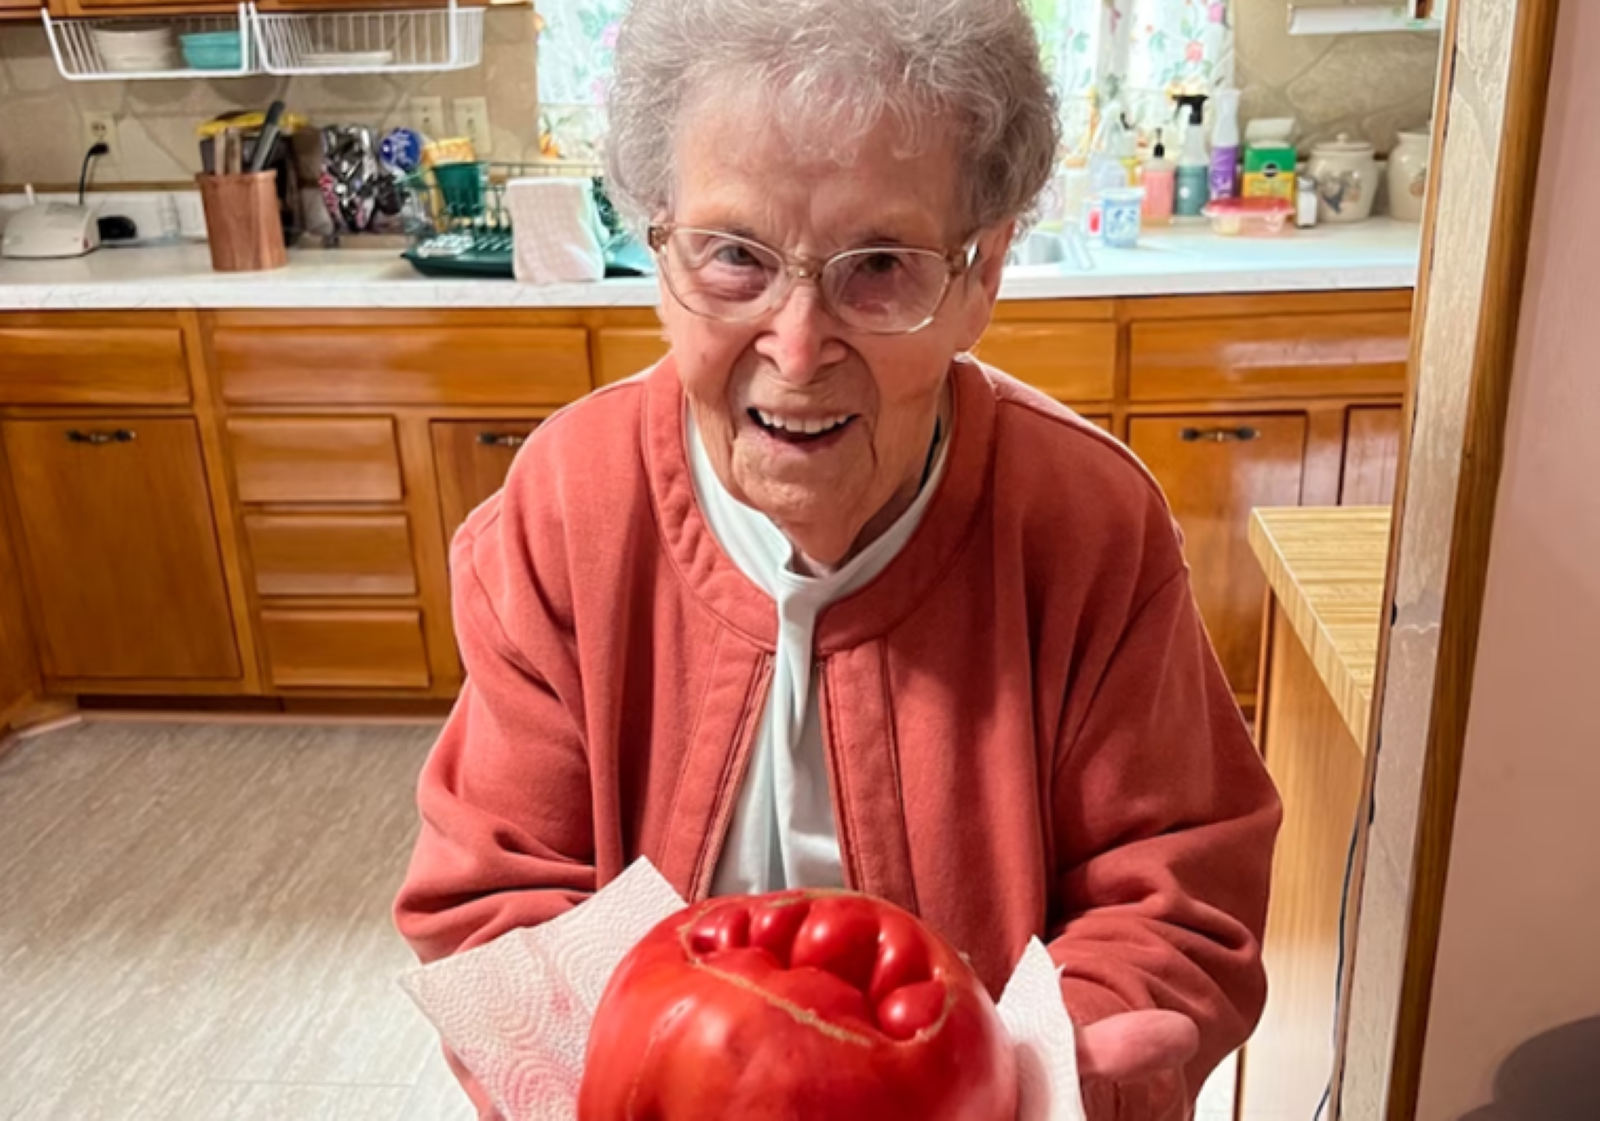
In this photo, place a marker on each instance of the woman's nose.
(801, 338)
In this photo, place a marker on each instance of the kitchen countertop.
(1327, 568)
(1380, 253)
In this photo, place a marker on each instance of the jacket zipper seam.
(844, 826)
(733, 779)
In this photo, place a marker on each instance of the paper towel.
(517, 1010)
(557, 235)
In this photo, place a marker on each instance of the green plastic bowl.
(212, 50)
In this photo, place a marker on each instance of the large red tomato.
(796, 1005)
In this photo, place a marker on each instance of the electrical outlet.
(472, 121)
(427, 116)
(100, 127)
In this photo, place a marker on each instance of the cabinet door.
(1215, 470)
(1371, 457)
(472, 458)
(19, 669)
(121, 547)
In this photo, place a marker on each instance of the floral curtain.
(1132, 52)
(1098, 52)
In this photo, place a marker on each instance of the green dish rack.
(459, 225)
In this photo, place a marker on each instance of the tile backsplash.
(1367, 85)
(41, 114)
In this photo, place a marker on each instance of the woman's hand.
(1135, 1045)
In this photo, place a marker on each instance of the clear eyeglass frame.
(796, 269)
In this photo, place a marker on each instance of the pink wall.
(1520, 952)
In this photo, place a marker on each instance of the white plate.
(143, 63)
(352, 60)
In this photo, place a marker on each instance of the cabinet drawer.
(306, 459)
(1270, 356)
(345, 649)
(331, 554)
(92, 366)
(476, 365)
(621, 352)
(1069, 361)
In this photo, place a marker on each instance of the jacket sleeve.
(1165, 823)
(507, 836)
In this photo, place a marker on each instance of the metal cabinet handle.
(1243, 434)
(116, 436)
(502, 439)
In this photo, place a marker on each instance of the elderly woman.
(820, 600)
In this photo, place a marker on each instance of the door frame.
(1489, 118)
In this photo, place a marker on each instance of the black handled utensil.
(268, 138)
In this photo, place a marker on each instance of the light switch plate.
(427, 117)
(100, 127)
(472, 121)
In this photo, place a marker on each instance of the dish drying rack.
(421, 40)
(456, 215)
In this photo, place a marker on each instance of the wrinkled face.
(755, 387)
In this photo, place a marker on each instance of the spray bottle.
(1194, 165)
(1225, 145)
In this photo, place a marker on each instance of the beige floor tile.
(188, 903)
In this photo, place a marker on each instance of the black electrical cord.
(98, 148)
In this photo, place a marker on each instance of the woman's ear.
(981, 285)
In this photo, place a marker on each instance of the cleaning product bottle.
(1126, 151)
(1158, 177)
(1224, 180)
(1194, 165)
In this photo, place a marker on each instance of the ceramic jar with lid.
(1408, 175)
(1346, 172)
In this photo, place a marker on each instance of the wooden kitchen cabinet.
(19, 663)
(1215, 469)
(472, 459)
(120, 549)
(1371, 456)
(20, 9)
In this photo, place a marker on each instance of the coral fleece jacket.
(1026, 728)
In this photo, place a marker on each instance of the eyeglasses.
(885, 290)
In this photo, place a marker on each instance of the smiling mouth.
(795, 430)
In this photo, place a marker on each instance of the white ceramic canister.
(1346, 172)
(1408, 175)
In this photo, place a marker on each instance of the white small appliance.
(50, 229)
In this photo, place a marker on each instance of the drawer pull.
(117, 436)
(1243, 434)
(511, 440)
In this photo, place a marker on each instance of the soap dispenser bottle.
(1194, 165)
(1158, 178)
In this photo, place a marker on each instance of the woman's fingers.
(1135, 1045)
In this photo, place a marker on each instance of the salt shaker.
(1305, 202)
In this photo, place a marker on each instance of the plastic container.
(212, 50)
(1119, 220)
(1249, 217)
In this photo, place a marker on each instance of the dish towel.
(557, 233)
(517, 1010)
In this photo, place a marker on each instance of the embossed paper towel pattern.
(517, 1011)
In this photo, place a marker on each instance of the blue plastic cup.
(1121, 216)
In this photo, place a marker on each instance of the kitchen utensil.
(243, 227)
(267, 139)
(1346, 172)
(1408, 174)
